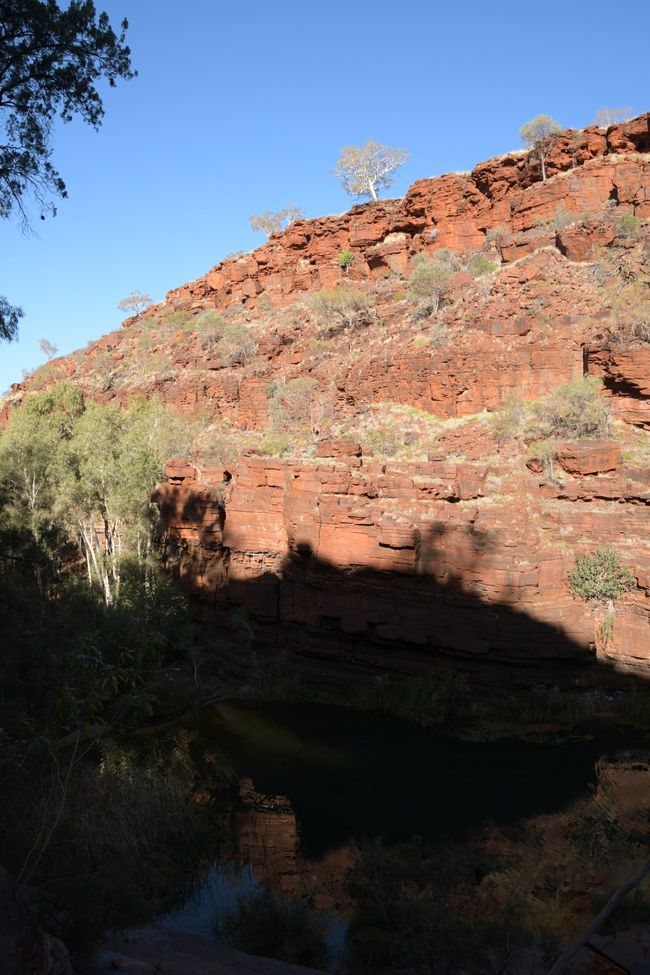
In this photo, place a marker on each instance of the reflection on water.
(297, 788)
(216, 896)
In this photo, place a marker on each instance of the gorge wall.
(454, 545)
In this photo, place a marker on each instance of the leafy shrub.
(415, 911)
(563, 218)
(545, 451)
(628, 226)
(439, 336)
(600, 576)
(178, 319)
(427, 283)
(427, 700)
(636, 708)
(237, 344)
(382, 441)
(136, 839)
(480, 264)
(544, 706)
(346, 258)
(344, 307)
(45, 375)
(210, 326)
(495, 235)
(293, 404)
(507, 422)
(575, 410)
(275, 926)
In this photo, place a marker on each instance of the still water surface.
(315, 779)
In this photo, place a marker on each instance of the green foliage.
(382, 441)
(480, 265)
(543, 706)
(134, 303)
(85, 474)
(427, 700)
(427, 283)
(544, 451)
(50, 63)
(538, 136)
(237, 344)
(291, 403)
(346, 306)
(346, 259)
(232, 341)
(10, 315)
(365, 170)
(636, 708)
(128, 846)
(507, 423)
(413, 911)
(575, 410)
(600, 576)
(275, 926)
(272, 222)
(628, 226)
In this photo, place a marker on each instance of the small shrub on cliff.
(346, 259)
(344, 307)
(507, 423)
(599, 576)
(291, 403)
(237, 344)
(427, 283)
(480, 265)
(276, 926)
(628, 226)
(575, 410)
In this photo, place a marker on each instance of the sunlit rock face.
(442, 542)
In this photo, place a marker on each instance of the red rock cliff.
(461, 549)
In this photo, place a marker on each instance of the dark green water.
(349, 777)
(353, 776)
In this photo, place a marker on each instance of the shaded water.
(351, 776)
(302, 784)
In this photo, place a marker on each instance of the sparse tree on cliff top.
(610, 116)
(134, 303)
(50, 62)
(538, 136)
(273, 221)
(49, 349)
(364, 170)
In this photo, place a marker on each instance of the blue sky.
(242, 108)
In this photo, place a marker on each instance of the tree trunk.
(599, 920)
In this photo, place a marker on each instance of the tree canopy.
(364, 170)
(50, 62)
(538, 136)
(271, 222)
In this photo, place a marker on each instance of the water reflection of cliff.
(267, 836)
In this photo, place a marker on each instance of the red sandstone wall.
(364, 566)
(448, 211)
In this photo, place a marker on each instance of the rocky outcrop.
(456, 210)
(355, 563)
(356, 566)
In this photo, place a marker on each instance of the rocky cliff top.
(352, 426)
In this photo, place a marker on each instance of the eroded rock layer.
(429, 545)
